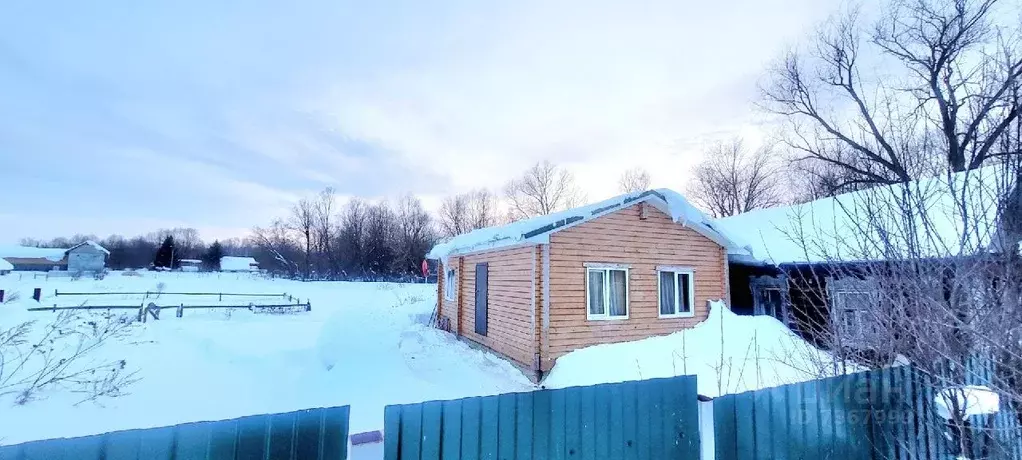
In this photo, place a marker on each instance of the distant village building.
(190, 265)
(5, 267)
(85, 257)
(238, 264)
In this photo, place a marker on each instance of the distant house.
(26, 258)
(238, 264)
(5, 267)
(190, 265)
(627, 268)
(84, 257)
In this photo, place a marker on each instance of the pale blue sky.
(129, 116)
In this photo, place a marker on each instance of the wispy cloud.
(216, 114)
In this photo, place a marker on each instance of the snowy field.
(363, 344)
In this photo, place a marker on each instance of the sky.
(125, 117)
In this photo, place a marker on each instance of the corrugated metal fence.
(886, 414)
(651, 419)
(315, 434)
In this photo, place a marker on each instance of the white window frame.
(677, 292)
(606, 269)
(450, 283)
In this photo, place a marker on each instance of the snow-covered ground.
(362, 344)
(728, 353)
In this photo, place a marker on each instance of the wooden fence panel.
(651, 419)
(315, 434)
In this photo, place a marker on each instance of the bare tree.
(378, 255)
(944, 104)
(634, 180)
(414, 236)
(453, 217)
(928, 271)
(543, 189)
(276, 243)
(303, 222)
(351, 236)
(465, 212)
(482, 209)
(732, 180)
(324, 212)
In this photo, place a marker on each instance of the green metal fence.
(315, 434)
(886, 414)
(651, 419)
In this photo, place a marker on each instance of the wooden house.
(623, 269)
(814, 266)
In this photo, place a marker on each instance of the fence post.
(37, 294)
(56, 293)
(1, 296)
(308, 306)
(181, 311)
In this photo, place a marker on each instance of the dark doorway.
(482, 279)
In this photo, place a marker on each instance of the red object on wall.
(425, 268)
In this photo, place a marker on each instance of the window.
(677, 292)
(450, 279)
(853, 316)
(607, 292)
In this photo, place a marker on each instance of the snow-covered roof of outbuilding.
(538, 229)
(5, 265)
(89, 243)
(29, 252)
(848, 227)
(238, 263)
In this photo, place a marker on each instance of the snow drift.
(728, 353)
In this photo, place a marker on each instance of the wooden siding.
(623, 238)
(510, 320)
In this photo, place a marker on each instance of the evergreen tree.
(167, 256)
(211, 259)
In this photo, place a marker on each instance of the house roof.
(34, 261)
(847, 227)
(89, 243)
(5, 265)
(237, 263)
(28, 252)
(538, 229)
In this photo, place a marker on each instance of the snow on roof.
(847, 227)
(538, 229)
(962, 402)
(28, 252)
(232, 263)
(5, 265)
(90, 243)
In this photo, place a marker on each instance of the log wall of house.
(624, 238)
(511, 320)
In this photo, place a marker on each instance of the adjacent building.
(85, 257)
